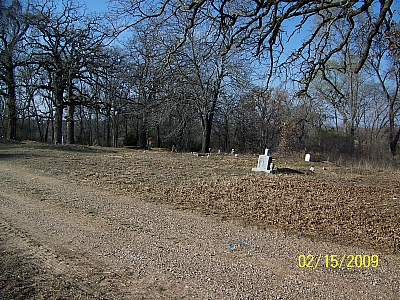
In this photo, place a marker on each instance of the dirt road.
(62, 240)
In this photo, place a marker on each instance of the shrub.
(130, 139)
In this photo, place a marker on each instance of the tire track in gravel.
(107, 246)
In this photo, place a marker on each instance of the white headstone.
(308, 157)
(264, 163)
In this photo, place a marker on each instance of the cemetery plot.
(354, 207)
(95, 223)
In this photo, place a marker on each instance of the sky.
(97, 5)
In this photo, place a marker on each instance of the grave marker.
(264, 163)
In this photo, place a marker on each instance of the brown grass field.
(102, 223)
(355, 206)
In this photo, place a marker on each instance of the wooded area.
(249, 75)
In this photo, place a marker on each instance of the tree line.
(203, 75)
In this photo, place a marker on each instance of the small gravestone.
(264, 163)
(308, 157)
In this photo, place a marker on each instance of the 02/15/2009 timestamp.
(335, 261)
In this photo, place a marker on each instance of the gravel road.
(62, 240)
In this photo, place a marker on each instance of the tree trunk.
(70, 125)
(70, 115)
(59, 105)
(46, 133)
(84, 139)
(40, 126)
(12, 107)
(142, 136)
(12, 118)
(226, 138)
(97, 134)
(58, 124)
(393, 138)
(393, 143)
(90, 130)
(108, 127)
(143, 132)
(115, 128)
(207, 133)
(158, 136)
(207, 121)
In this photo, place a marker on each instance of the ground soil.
(94, 223)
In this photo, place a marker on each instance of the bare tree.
(263, 115)
(12, 31)
(64, 44)
(265, 29)
(260, 26)
(145, 76)
(344, 91)
(385, 63)
(208, 69)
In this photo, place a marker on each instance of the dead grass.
(347, 204)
